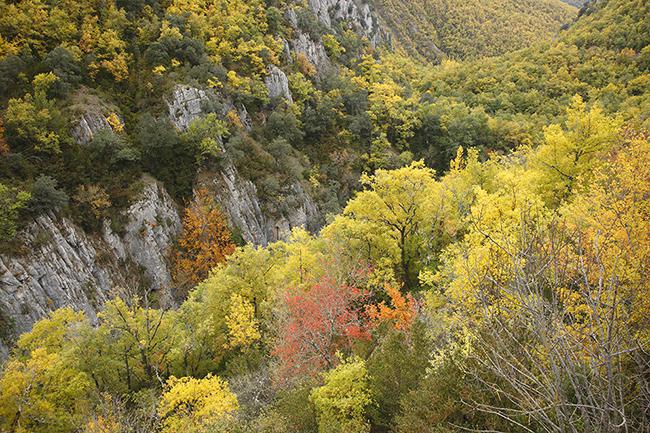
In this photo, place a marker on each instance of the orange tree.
(204, 243)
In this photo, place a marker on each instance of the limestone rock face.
(63, 266)
(185, 105)
(277, 84)
(356, 13)
(313, 51)
(237, 196)
(153, 226)
(91, 114)
(89, 124)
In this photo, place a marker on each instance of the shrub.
(93, 202)
(46, 196)
(12, 202)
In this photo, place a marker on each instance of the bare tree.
(556, 349)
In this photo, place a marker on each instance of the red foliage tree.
(321, 320)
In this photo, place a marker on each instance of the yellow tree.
(196, 405)
(571, 152)
(42, 387)
(242, 325)
(611, 222)
(397, 214)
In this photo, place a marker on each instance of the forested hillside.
(263, 216)
(434, 29)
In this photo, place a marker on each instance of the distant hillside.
(472, 28)
(576, 3)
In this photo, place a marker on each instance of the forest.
(480, 256)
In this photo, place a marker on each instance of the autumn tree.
(196, 405)
(571, 153)
(133, 346)
(341, 403)
(43, 393)
(12, 202)
(204, 243)
(321, 320)
(34, 122)
(400, 313)
(399, 214)
(42, 387)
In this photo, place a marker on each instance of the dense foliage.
(490, 273)
(435, 29)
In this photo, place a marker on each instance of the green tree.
(342, 402)
(396, 367)
(12, 202)
(34, 122)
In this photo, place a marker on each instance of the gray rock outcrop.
(356, 13)
(152, 227)
(313, 51)
(277, 84)
(87, 126)
(63, 266)
(187, 103)
(238, 197)
(91, 115)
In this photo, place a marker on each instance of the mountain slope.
(472, 28)
(506, 290)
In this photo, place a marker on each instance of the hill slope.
(504, 291)
(472, 28)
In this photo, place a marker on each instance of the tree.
(166, 156)
(204, 243)
(34, 122)
(402, 313)
(4, 147)
(341, 403)
(133, 346)
(43, 393)
(206, 135)
(195, 405)
(243, 329)
(397, 366)
(401, 209)
(54, 332)
(321, 320)
(43, 387)
(93, 202)
(12, 202)
(570, 154)
(46, 196)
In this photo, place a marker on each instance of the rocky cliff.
(237, 196)
(63, 266)
(356, 13)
